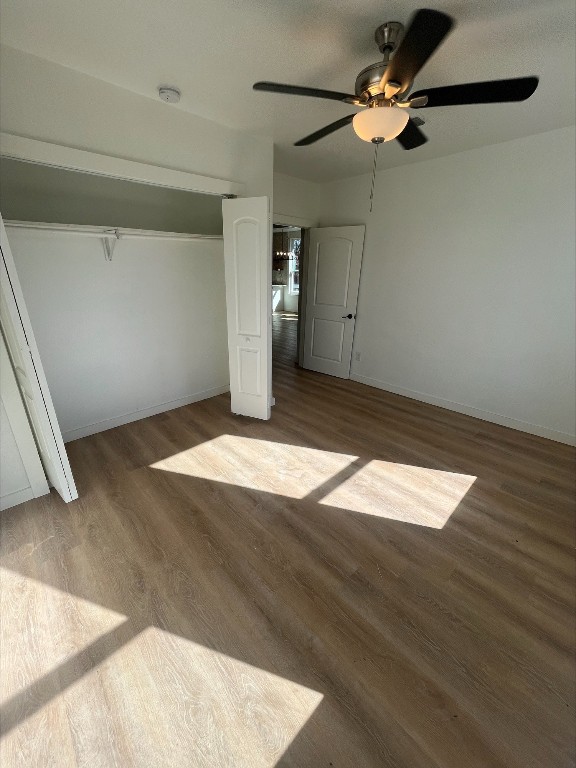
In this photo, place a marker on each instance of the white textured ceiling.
(214, 50)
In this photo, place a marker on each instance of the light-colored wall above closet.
(31, 192)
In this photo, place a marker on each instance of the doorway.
(315, 282)
(287, 246)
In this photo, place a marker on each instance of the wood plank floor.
(363, 581)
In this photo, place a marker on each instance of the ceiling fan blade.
(298, 90)
(411, 137)
(326, 131)
(488, 92)
(425, 33)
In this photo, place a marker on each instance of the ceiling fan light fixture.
(384, 123)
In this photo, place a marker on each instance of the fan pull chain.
(376, 145)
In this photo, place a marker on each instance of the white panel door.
(30, 376)
(22, 474)
(332, 278)
(248, 267)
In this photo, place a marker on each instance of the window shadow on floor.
(423, 643)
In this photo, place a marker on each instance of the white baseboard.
(118, 421)
(495, 418)
(17, 497)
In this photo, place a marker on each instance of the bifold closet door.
(23, 476)
(248, 267)
(30, 375)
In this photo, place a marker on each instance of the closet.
(124, 284)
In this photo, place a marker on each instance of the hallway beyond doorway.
(285, 338)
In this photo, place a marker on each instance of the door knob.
(350, 316)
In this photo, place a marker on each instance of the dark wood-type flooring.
(364, 581)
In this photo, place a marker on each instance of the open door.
(333, 268)
(248, 268)
(27, 481)
(29, 372)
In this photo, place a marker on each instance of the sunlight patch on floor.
(239, 714)
(42, 605)
(180, 702)
(262, 465)
(402, 492)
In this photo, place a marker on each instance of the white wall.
(31, 192)
(121, 340)
(45, 101)
(296, 201)
(468, 281)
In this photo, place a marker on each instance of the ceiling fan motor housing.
(368, 81)
(387, 37)
(367, 87)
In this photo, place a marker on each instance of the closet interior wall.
(128, 333)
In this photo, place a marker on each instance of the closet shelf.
(120, 233)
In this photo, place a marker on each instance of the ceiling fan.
(381, 87)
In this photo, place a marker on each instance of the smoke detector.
(169, 93)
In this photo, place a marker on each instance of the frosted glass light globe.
(380, 122)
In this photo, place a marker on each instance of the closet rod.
(120, 233)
